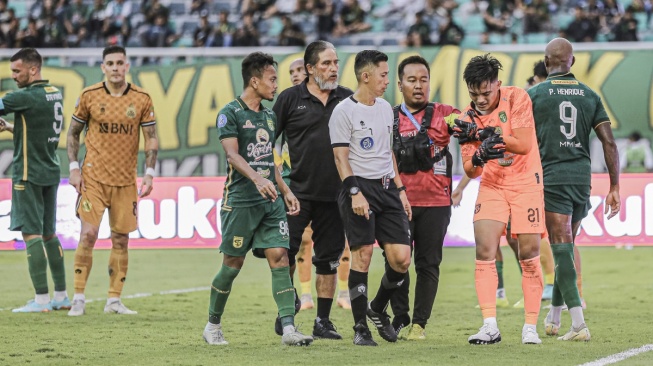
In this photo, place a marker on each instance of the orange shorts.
(524, 208)
(121, 202)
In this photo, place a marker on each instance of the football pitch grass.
(168, 328)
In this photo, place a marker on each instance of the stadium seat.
(389, 42)
(177, 8)
(366, 42)
(474, 24)
(536, 38)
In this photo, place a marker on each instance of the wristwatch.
(354, 191)
(402, 188)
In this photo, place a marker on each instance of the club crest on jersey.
(238, 242)
(86, 206)
(503, 117)
(367, 143)
(477, 209)
(270, 124)
(248, 124)
(131, 111)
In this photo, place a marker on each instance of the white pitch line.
(617, 357)
(148, 294)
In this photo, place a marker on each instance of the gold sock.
(343, 285)
(306, 288)
(82, 266)
(118, 263)
(549, 278)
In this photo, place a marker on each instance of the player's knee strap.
(327, 268)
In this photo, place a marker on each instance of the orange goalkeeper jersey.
(514, 111)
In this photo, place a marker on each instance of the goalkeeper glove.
(492, 147)
(468, 131)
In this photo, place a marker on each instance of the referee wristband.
(73, 165)
(150, 172)
(349, 182)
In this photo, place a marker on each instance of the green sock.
(37, 264)
(556, 299)
(55, 260)
(499, 265)
(563, 254)
(220, 290)
(283, 292)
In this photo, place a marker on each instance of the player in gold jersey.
(111, 112)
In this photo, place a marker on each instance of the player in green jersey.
(566, 111)
(252, 216)
(38, 119)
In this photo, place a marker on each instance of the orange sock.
(532, 286)
(82, 265)
(118, 263)
(579, 283)
(487, 280)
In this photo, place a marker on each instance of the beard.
(325, 85)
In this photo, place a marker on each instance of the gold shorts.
(121, 202)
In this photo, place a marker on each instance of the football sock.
(283, 292)
(532, 287)
(37, 264)
(306, 288)
(579, 284)
(556, 298)
(79, 297)
(83, 263)
(42, 299)
(491, 321)
(324, 307)
(499, 266)
(55, 260)
(486, 281)
(390, 282)
(343, 285)
(118, 263)
(59, 295)
(358, 294)
(220, 290)
(549, 278)
(556, 312)
(577, 318)
(566, 273)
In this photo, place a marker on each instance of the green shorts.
(573, 200)
(257, 228)
(33, 208)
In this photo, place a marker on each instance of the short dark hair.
(481, 69)
(367, 58)
(412, 60)
(539, 70)
(113, 49)
(29, 56)
(254, 64)
(313, 50)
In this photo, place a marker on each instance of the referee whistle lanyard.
(413, 120)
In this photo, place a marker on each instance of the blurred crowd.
(244, 23)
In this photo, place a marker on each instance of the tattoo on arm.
(72, 144)
(151, 146)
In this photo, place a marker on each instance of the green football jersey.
(255, 134)
(565, 112)
(38, 119)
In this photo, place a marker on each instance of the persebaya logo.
(270, 124)
(503, 117)
(238, 242)
(131, 111)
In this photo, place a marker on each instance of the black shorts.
(328, 234)
(388, 223)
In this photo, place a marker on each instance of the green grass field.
(167, 331)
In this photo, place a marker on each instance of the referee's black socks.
(358, 295)
(390, 282)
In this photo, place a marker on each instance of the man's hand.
(360, 206)
(468, 131)
(266, 188)
(77, 181)
(6, 126)
(292, 203)
(456, 197)
(406, 204)
(491, 148)
(612, 202)
(146, 186)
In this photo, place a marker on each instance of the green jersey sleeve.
(226, 123)
(600, 115)
(16, 101)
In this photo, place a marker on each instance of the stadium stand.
(375, 23)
